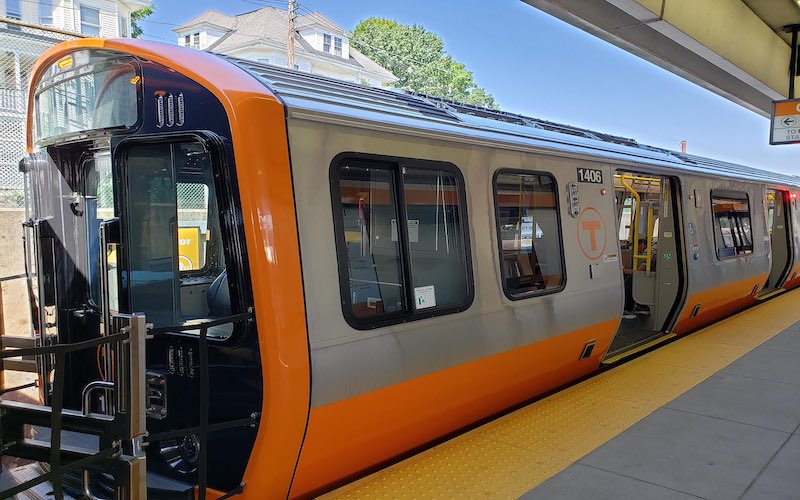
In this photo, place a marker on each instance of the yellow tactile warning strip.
(513, 454)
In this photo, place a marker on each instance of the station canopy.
(740, 49)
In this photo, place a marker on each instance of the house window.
(46, 9)
(337, 46)
(529, 233)
(187, 41)
(123, 27)
(732, 232)
(13, 10)
(326, 43)
(402, 240)
(196, 39)
(90, 21)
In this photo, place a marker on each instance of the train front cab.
(141, 162)
(537, 292)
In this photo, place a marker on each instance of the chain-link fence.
(20, 46)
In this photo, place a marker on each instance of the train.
(253, 281)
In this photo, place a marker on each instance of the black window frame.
(727, 194)
(531, 293)
(395, 165)
(235, 255)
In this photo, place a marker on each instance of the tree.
(139, 15)
(418, 59)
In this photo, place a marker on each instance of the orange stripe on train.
(718, 303)
(351, 436)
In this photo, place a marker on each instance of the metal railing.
(123, 434)
(120, 452)
(25, 363)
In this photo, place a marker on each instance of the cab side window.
(732, 231)
(402, 240)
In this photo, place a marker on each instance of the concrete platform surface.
(735, 435)
(714, 415)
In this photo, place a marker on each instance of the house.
(320, 46)
(103, 18)
(43, 23)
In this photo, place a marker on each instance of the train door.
(778, 225)
(651, 259)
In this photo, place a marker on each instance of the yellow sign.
(189, 248)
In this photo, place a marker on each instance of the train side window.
(529, 233)
(374, 267)
(435, 240)
(732, 231)
(401, 240)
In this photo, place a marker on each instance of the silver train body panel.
(326, 118)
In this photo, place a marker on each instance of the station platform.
(714, 414)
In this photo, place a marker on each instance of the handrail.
(634, 212)
(647, 257)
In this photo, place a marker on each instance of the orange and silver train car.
(333, 275)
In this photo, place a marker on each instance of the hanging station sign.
(785, 122)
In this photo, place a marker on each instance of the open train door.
(781, 251)
(653, 268)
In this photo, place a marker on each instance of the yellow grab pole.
(649, 238)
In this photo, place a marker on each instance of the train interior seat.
(219, 296)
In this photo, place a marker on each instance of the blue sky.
(540, 66)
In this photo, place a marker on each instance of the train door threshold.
(770, 293)
(659, 339)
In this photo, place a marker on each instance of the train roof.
(334, 101)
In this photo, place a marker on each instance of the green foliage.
(138, 15)
(418, 59)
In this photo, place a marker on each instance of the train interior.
(649, 256)
(175, 286)
(370, 212)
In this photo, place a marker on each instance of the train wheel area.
(715, 414)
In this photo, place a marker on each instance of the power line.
(405, 61)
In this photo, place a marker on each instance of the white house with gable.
(104, 18)
(320, 46)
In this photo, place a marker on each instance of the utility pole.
(290, 37)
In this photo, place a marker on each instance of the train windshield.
(89, 97)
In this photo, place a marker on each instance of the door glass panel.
(152, 219)
(99, 192)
